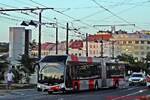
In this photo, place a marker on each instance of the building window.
(135, 47)
(142, 47)
(142, 42)
(90, 46)
(97, 51)
(90, 51)
(148, 48)
(94, 46)
(142, 53)
(148, 42)
(136, 53)
(136, 42)
(129, 41)
(124, 42)
(79, 54)
(94, 52)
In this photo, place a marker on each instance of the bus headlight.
(62, 85)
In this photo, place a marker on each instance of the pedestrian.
(9, 79)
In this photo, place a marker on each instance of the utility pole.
(86, 44)
(39, 49)
(67, 31)
(101, 47)
(56, 26)
(56, 39)
(113, 49)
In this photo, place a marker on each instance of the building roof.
(96, 37)
(76, 44)
(47, 46)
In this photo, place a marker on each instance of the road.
(129, 93)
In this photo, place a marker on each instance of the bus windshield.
(53, 73)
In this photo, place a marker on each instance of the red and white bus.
(65, 73)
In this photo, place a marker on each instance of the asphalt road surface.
(129, 93)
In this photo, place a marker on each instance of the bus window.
(84, 71)
(53, 73)
(114, 70)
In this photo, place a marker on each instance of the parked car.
(148, 81)
(137, 78)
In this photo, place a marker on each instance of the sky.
(80, 14)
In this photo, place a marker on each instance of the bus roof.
(54, 58)
(73, 58)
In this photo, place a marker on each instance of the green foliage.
(126, 58)
(33, 44)
(3, 66)
(27, 64)
(4, 47)
(134, 64)
(17, 75)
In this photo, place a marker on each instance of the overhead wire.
(112, 13)
(97, 12)
(74, 19)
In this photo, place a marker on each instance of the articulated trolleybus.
(72, 73)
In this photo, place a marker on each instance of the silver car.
(137, 78)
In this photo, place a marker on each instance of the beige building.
(136, 44)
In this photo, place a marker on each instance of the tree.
(27, 63)
(147, 62)
(3, 66)
(27, 66)
(134, 64)
(127, 58)
(33, 44)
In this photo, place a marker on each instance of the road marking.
(132, 88)
(60, 99)
(140, 91)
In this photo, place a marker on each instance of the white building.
(17, 43)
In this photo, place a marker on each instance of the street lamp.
(25, 23)
(34, 23)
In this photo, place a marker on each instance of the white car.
(148, 81)
(137, 78)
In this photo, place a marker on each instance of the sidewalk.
(15, 87)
